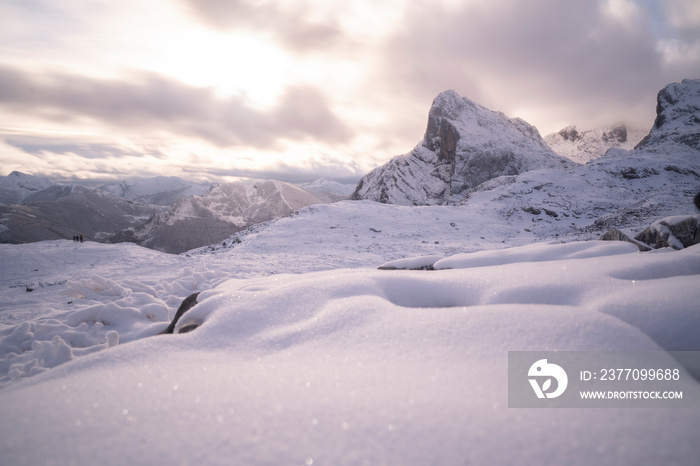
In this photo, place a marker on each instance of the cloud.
(289, 173)
(150, 103)
(287, 22)
(557, 62)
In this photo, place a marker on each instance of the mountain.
(584, 145)
(625, 190)
(62, 211)
(16, 186)
(227, 208)
(328, 190)
(464, 145)
(543, 197)
(677, 120)
(160, 190)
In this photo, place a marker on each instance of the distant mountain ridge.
(159, 190)
(584, 145)
(16, 186)
(63, 211)
(165, 213)
(328, 190)
(226, 209)
(464, 145)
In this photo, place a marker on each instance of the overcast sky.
(294, 90)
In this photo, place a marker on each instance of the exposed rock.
(532, 210)
(676, 232)
(617, 235)
(187, 304)
(617, 134)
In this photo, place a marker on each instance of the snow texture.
(337, 366)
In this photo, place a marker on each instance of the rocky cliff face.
(464, 145)
(677, 119)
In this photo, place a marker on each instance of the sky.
(214, 90)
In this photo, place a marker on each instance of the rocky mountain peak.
(677, 118)
(441, 135)
(583, 145)
(570, 134)
(464, 145)
(617, 134)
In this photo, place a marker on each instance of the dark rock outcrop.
(616, 235)
(675, 232)
(187, 304)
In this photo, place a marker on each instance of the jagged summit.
(465, 144)
(677, 118)
(583, 145)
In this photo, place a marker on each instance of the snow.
(16, 186)
(306, 353)
(479, 144)
(584, 145)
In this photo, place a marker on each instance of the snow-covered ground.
(307, 354)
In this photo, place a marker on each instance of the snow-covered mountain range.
(189, 214)
(469, 156)
(584, 145)
(306, 345)
(62, 211)
(227, 208)
(159, 190)
(16, 186)
(329, 190)
(536, 191)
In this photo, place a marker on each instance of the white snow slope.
(307, 354)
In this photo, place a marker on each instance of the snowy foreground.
(331, 361)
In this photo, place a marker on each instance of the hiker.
(81, 238)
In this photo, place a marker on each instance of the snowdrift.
(359, 366)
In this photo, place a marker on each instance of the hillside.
(227, 208)
(62, 211)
